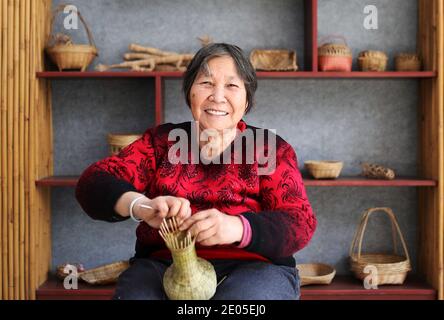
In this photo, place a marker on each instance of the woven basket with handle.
(391, 268)
(69, 56)
(335, 56)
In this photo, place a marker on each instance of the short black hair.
(243, 65)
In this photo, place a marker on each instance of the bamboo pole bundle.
(24, 110)
(10, 98)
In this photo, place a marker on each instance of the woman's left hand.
(213, 227)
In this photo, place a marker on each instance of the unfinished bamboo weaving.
(189, 277)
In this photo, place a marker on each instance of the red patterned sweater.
(276, 205)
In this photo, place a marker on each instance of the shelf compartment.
(71, 181)
(261, 75)
(342, 288)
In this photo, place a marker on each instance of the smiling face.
(218, 97)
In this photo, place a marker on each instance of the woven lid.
(373, 54)
(334, 49)
(407, 56)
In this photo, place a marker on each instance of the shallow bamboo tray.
(324, 169)
(274, 60)
(315, 273)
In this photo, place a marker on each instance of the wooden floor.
(342, 288)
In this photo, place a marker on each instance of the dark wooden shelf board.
(71, 181)
(342, 288)
(261, 75)
(357, 181)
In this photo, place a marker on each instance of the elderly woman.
(248, 222)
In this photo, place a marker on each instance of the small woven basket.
(324, 169)
(391, 268)
(69, 56)
(315, 273)
(117, 142)
(106, 274)
(372, 61)
(407, 62)
(335, 56)
(274, 60)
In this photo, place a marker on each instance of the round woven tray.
(315, 273)
(324, 169)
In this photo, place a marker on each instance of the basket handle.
(59, 9)
(359, 235)
(330, 37)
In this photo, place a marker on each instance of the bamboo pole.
(26, 143)
(32, 147)
(4, 102)
(21, 168)
(1, 154)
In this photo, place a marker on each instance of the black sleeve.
(97, 193)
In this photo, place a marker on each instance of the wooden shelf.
(261, 75)
(71, 181)
(342, 288)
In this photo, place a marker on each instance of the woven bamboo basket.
(106, 274)
(407, 62)
(69, 56)
(391, 268)
(274, 60)
(324, 169)
(315, 273)
(117, 142)
(372, 61)
(189, 277)
(335, 56)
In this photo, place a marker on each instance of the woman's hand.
(163, 207)
(213, 227)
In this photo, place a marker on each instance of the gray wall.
(350, 120)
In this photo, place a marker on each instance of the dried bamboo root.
(150, 50)
(150, 59)
(376, 171)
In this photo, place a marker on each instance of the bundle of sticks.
(150, 59)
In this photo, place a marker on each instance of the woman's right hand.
(163, 207)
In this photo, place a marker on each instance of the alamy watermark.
(249, 146)
(371, 20)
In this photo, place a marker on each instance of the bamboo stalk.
(21, 170)
(15, 164)
(26, 143)
(1, 154)
(3, 147)
(32, 147)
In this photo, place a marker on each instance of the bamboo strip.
(3, 147)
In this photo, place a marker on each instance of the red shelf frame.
(71, 181)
